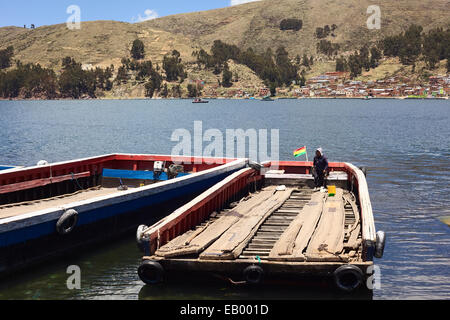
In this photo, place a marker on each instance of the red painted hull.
(32, 177)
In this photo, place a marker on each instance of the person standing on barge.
(320, 170)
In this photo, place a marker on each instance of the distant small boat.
(199, 100)
(267, 99)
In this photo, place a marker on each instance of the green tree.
(5, 57)
(375, 56)
(193, 92)
(165, 91)
(302, 79)
(154, 84)
(227, 76)
(173, 67)
(176, 91)
(291, 24)
(273, 89)
(74, 82)
(122, 75)
(436, 45)
(306, 61)
(126, 63)
(354, 65)
(29, 80)
(364, 58)
(287, 71)
(327, 47)
(320, 33)
(391, 45)
(411, 45)
(341, 64)
(138, 50)
(144, 69)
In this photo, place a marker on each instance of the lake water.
(405, 144)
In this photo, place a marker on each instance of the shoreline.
(233, 98)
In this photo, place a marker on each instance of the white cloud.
(236, 2)
(149, 15)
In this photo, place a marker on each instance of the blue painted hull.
(6, 168)
(23, 246)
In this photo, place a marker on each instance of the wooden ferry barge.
(51, 209)
(269, 226)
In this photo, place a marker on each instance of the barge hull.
(265, 221)
(32, 237)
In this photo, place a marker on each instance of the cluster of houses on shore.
(334, 84)
(337, 85)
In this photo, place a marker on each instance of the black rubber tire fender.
(379, 246)
(348, 277)
(253, 274)
(364, 170)
(140, 241)
(255, 165)
(151, 272)
(67, 222)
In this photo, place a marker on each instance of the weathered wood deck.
(17, 209)
(268, 224)
(273, 227)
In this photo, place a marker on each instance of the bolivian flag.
(299, 152)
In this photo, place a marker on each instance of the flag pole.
(306, 155)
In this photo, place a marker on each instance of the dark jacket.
(321, 164)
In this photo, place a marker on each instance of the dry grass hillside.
(98, 43)
(255, 24)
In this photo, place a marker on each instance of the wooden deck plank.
(13, 210)
(294, 240)
(41, 182)
(327, 241)
(231, 244)
(213, 231)
(355, 230)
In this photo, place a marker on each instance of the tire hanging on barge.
(364, 170)
(140, 241)
(348, 278)
(67, 222)
(253, 275)
(379, 246)
(151, 272)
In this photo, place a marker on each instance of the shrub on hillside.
(291, 24)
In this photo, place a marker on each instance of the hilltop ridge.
(254, 24)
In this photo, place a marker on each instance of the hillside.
(99, 43)
(254, 24)
(257, 24)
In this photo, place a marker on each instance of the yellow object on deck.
(331, 191)
(445, 220)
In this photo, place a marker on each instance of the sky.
(48, 12)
